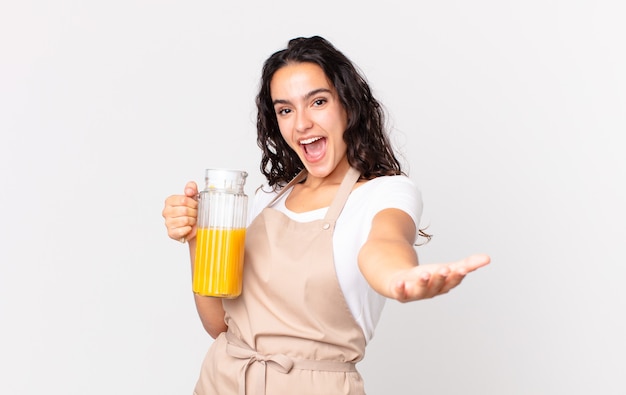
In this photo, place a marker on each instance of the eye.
(319, 102)
(283, 111)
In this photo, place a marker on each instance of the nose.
(303, 121)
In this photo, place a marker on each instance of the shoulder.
(399, 192)
(399, 181)
(389, 186)
(263, 195)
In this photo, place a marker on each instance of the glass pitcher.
(221, 232)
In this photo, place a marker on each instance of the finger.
(170, 212)
(187, 201)
(173, 200)
(463, 267)
(172, 222)
(438, 281)
(398, 291)
(180, 232)
(453, 280)
(178, 205)
(471, 263)
(180, 200)
(429, 286)
(191, 189)
(416, 288)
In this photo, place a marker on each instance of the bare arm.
(181, 213)
(390, 264)
(209, 309)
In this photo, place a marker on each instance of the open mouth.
(314, 147)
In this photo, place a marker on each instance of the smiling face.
(311, 118)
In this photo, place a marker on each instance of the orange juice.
(218, 266)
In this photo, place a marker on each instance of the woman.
(332, 236)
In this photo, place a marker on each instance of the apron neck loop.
(351, 177)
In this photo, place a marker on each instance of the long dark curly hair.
(369, 149)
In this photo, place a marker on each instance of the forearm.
(210, 310)
(382, 261)
(211, 314)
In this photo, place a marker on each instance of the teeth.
(309, 141)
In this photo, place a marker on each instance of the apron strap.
(351, 177)
(299, 177)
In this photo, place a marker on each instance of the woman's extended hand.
(181, 214)
(429, 280)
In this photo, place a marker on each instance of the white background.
(510, 116)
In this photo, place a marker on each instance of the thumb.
(191, 189)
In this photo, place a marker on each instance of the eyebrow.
(306, 97)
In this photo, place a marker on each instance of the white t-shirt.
(351, 232)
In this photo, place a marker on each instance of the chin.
(317, 170)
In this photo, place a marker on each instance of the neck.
(334, 178)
